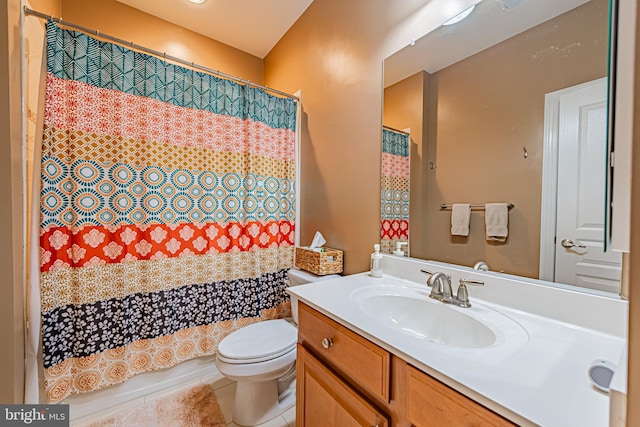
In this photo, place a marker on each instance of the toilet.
(261, 359)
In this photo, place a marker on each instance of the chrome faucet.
(440, 284)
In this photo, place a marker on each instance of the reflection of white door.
(579, 245)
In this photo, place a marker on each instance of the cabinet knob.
(327, 342)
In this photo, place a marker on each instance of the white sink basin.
(409, 310)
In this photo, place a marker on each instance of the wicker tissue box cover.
(329, 261)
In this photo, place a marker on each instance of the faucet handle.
(462, 296)
(481, 265)
(471, 282)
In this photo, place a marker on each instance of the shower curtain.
(167, 212)
(394, 192)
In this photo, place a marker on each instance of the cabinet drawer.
(431, 403)
(325, 400)
(366, 364)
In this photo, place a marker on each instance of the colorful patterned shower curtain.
(394, 194)
(167, 212)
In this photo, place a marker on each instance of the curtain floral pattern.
(167, 212)
(394, 192)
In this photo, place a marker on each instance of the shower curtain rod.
(162, 55)
(395, 130)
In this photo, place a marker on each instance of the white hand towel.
(496, 218)
(460, 217)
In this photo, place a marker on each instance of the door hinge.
(612, 159)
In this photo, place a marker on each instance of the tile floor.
(224, 390)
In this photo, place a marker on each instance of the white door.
(582, 136)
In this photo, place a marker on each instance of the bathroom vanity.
(367, 355)
(352, 381)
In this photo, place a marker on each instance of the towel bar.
(445, 206)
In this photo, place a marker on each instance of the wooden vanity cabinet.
(431, 403)
(325, 400)
(345, 380)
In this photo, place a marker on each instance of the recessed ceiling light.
(459, 17)
(197, 1)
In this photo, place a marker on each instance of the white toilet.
(261, 358)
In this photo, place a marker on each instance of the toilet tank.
(300, 277)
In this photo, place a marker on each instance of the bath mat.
(196, 407)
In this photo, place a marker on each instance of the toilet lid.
(259, 342)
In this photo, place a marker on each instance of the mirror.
(491, 104)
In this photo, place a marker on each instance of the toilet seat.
(258, 342)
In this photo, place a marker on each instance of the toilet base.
(268, 399)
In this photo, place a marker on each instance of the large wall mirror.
(510, 105)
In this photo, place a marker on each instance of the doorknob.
(566, 243)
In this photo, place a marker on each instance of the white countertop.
(541, 381)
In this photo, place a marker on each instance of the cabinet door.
(324, 400)
(431, 403)
(361, 361)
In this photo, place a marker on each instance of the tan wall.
(11, 214)
(404, 109)
(127, 23)
(50, 7)
(487, 108)
(333, 54)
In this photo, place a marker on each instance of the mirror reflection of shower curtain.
(394, 191)
(167, 212)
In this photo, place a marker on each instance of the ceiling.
(491, 22)
(254, 26)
